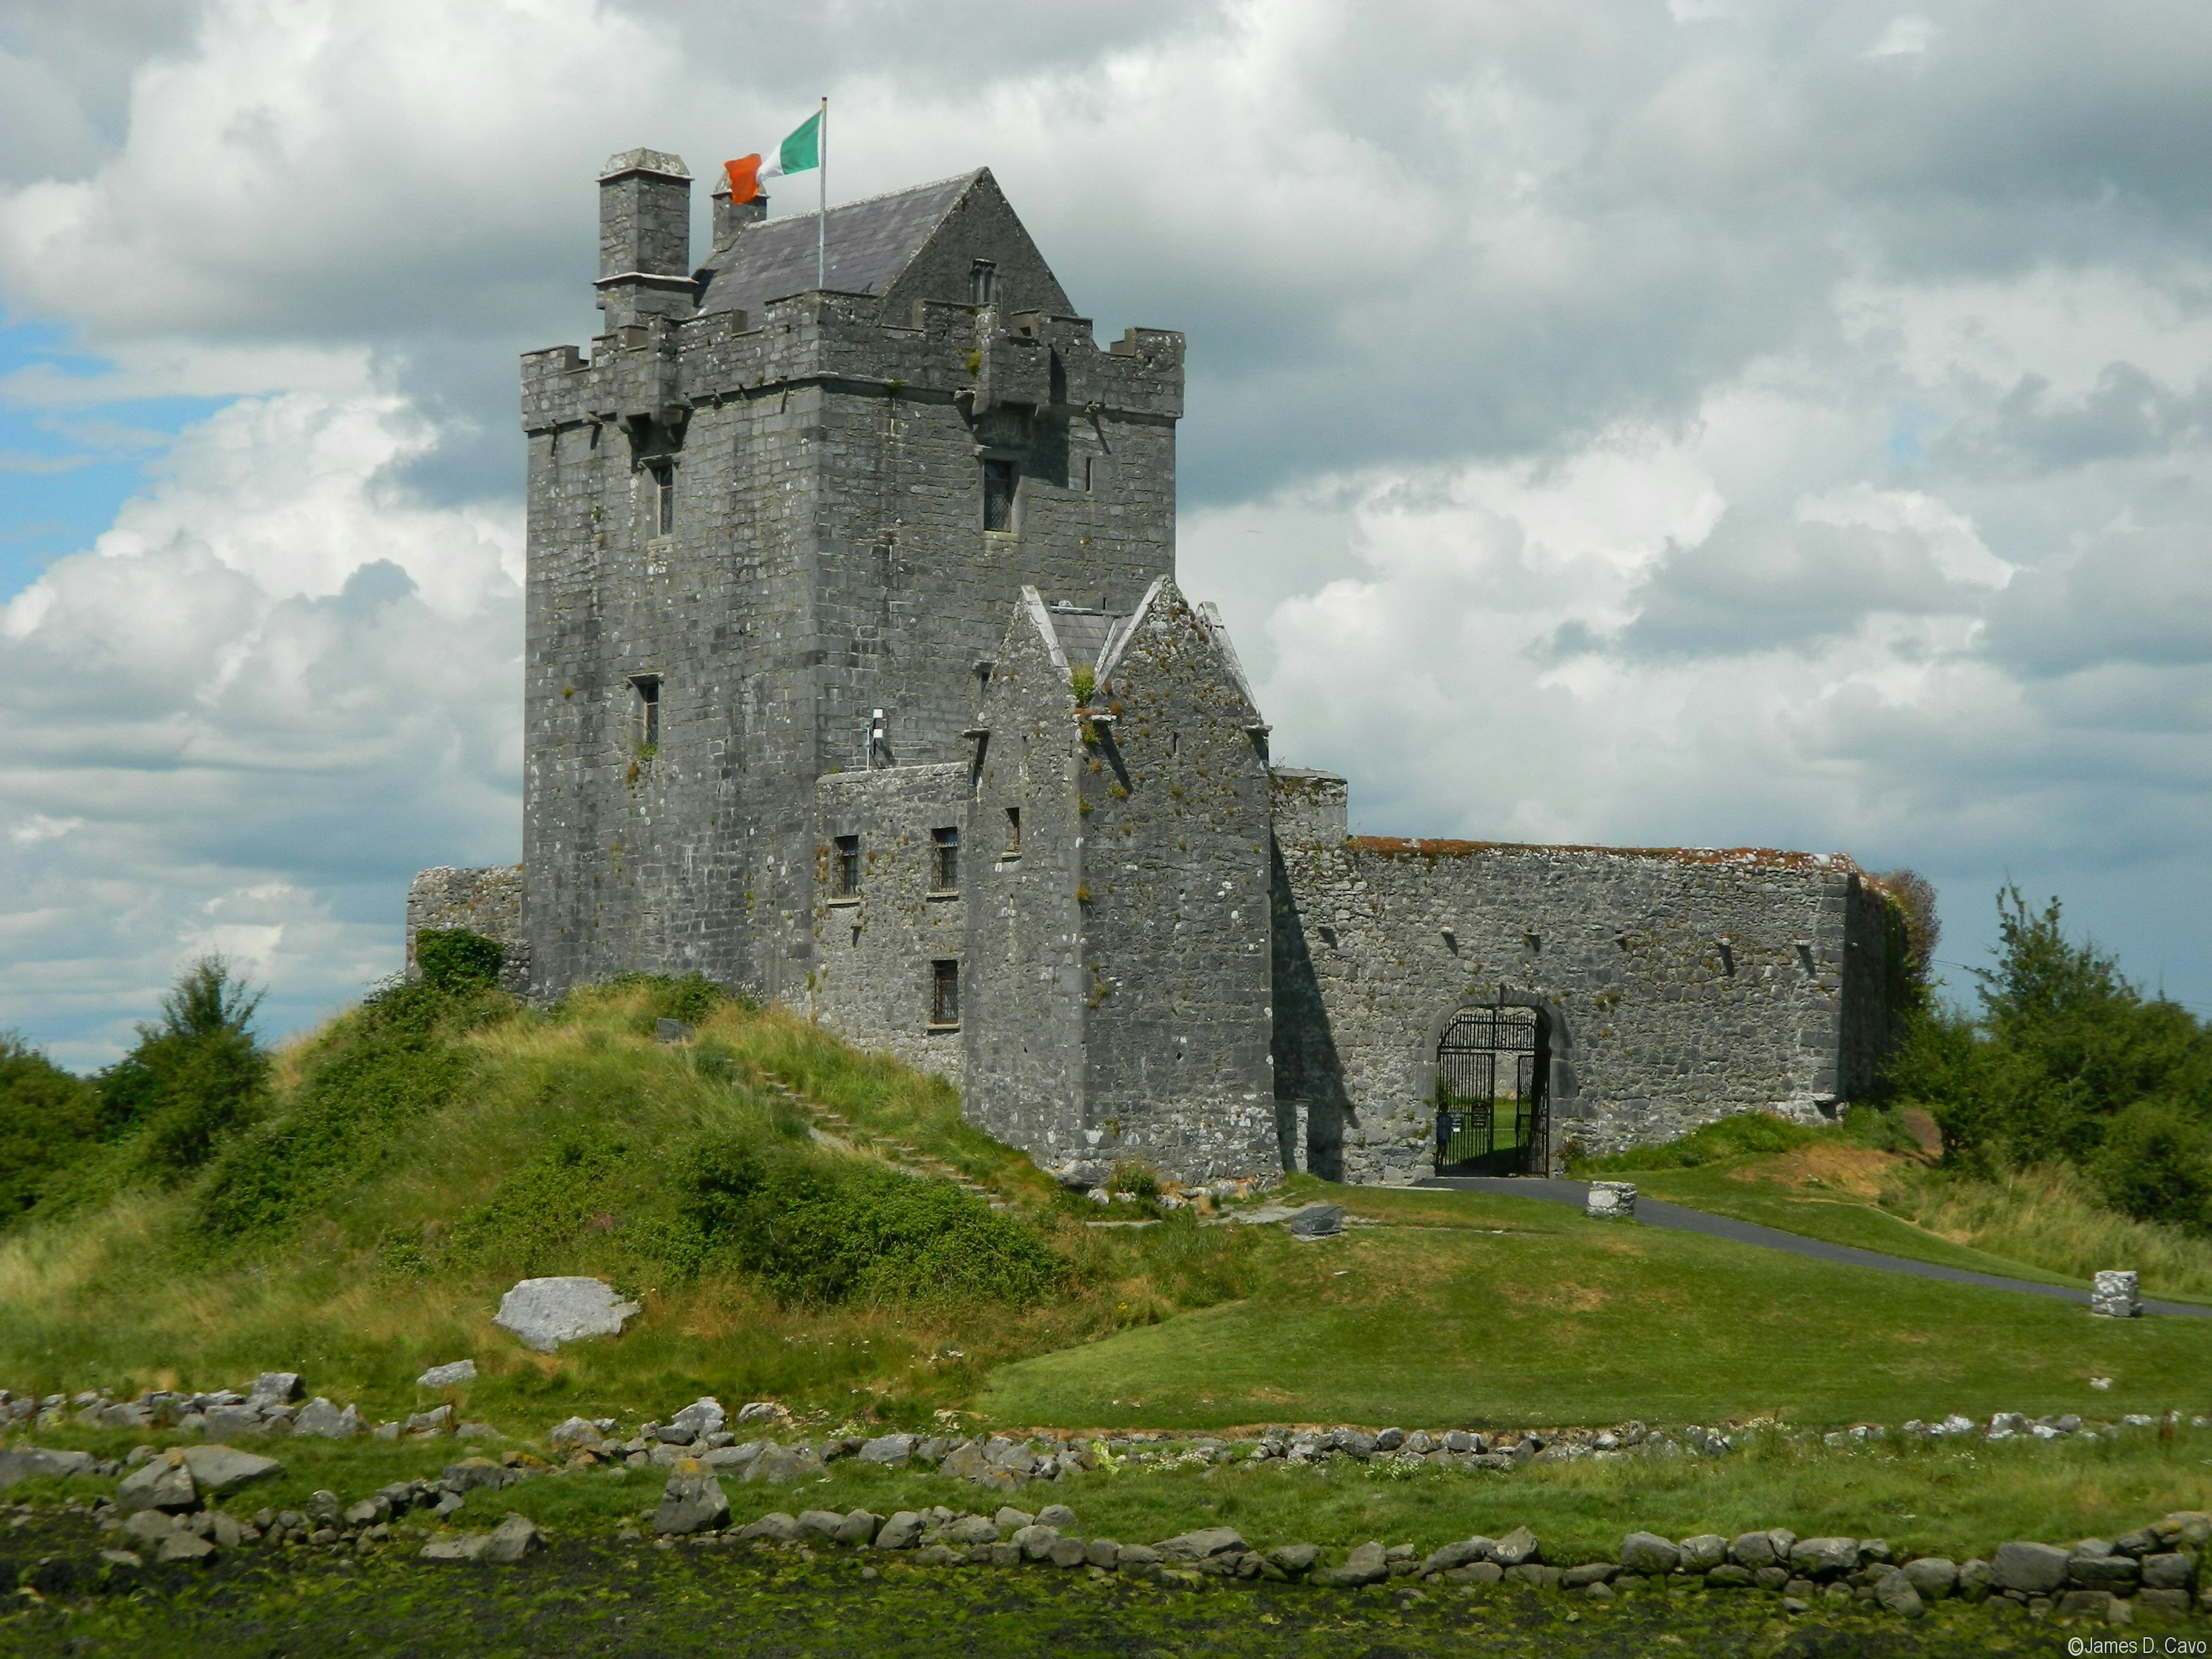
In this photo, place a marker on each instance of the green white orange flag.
(799, 153)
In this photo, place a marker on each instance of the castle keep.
(857, 678)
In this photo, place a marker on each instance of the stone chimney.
(732, 218)
(645, 238)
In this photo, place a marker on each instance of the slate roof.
(1083, 635)
(870, 243)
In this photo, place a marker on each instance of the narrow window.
(944, 994)
(648, 709)
(1090, 473)
(997, 495)
(945, 878)
(1013, 832)
(664, 498)
(845, 876)
(982, 283)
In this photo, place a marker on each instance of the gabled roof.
(870, 243)
(1083, 635)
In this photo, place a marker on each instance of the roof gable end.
(901, 247)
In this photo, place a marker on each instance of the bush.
(377, 1071)
(195, 1078)
(822, 1231)
(1138, 1180)
(2156, 1166)
(48, 1119)
(533, 1221)
(455, 959)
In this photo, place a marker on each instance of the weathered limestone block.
(2112, 1294)
(1611, 1200)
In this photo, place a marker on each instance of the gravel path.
(1653, 1213)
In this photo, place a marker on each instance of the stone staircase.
(832, 1129)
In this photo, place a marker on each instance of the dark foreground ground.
(636, 1599)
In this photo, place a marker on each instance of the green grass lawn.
(1470, 1310)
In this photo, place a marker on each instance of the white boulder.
(546, 1312)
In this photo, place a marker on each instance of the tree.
(2062, 1055)
(48, 1119)
(196, 1076)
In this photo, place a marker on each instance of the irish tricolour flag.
(801, 153)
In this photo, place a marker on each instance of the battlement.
(1051, 366)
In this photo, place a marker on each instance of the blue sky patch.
(66, 470)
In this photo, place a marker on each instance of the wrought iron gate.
(1492, 1095)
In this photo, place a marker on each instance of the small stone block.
(2114, 1294)
(1611, 1200)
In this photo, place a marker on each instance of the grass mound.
(426, 1149)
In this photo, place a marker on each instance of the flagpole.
(822, 182)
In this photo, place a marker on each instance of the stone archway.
(1536, 1077)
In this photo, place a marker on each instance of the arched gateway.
(1493, 1108)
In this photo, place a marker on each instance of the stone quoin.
(857, 679)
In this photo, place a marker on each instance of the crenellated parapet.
(659, 369)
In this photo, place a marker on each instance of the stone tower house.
(760, 513)
(857, 678)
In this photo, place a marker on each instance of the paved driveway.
(1653, 1213)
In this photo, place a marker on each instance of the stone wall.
(1174, 904)
(487, 901)
(1677, 986)
(1027, 993)
(1120, 1001)
(873, 979)
(826, 558)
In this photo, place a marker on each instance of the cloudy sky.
(1709, 422)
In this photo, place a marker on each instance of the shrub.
(48, 1119)
(1918, 932)
(195, 1076)
(455, 959)
(539, 1211)
(2156, 1166)
(377, 1071)
(822, 1231)
(1138, 1180)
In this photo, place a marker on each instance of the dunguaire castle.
(857, 679)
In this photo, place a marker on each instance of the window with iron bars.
(944, 875)
(998, 495)
(845, 868)
(944, 994)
